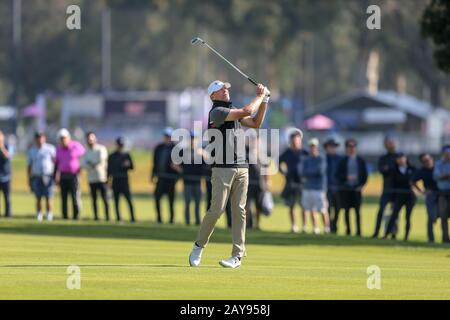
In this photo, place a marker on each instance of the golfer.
(229, 178)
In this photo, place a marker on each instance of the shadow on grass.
(177, 232)
(94, 265)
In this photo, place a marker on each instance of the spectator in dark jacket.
(332, 185)
(165, 174)
(5, 173)
(386, 165)
(119, 163)
(430, 190)
(403, 193)
(351, 176)
(192, 172)
(292, 192)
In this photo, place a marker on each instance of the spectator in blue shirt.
(5, 173)
(441, 174)
(425, 174)
(332, 185)
(41, 166)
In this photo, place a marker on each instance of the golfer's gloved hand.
(266, 95)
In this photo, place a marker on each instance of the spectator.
(332, 185)
(314, 174)
(386, 165)
(292, 191)
(119, 163)
(95, 161)
(257, 183)
(192, 179)
(67, 169)
(430, 190)
(441, 174)
(403, 194)
(165, 174)
(351, 176)
(5, 173)
(41, 166)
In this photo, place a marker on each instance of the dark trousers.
(444, 213)
(5, 187)
(254, 194)
(120, 187)
(349, 199)
(208, 203)
(431, 202)
(333, 209)
(402, 200)
(386, 198)
(95, 188)
(165, 186)
(192, 191)
(69, 185)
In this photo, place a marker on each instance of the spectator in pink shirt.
(67, 169)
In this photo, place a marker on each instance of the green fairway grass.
(150, 261)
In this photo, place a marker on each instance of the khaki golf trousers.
(227, 182)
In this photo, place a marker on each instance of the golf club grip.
(254, 82)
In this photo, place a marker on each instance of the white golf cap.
(63, 133)
(313, 142)
(216, 86)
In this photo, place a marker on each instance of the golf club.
(196, 40)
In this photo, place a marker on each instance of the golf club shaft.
(232, 65)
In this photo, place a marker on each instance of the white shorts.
(315, 200)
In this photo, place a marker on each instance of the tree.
(436, 25)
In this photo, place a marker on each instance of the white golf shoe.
(39, 216)
(233, 262)
(196, 256)
(49, 216)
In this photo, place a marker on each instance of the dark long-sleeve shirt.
(292, 159)
(386, 164)
(426, 175)
(119, 163)
(342, 173)
(401, 181)
(332, 164)
(192, 172)
(162, 162)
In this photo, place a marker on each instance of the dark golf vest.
(229, 139)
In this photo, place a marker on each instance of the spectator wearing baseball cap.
(67, 169)
(165, 174)
(41, 166)
(313, 171)
(441, 174)
(332, 158)
(192, 171)
(119, 164)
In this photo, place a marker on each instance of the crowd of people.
(321, 185)
(332, 183)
